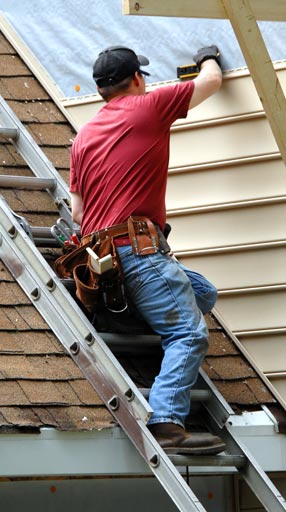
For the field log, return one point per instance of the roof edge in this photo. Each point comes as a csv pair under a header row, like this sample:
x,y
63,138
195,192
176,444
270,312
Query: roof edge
x,y
249,358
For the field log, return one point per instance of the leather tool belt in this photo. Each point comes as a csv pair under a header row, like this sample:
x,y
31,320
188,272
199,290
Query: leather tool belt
x,y
92,288
142,234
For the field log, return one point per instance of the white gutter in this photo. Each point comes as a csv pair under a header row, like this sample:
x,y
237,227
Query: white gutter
x,y
109,451
258,432
55,453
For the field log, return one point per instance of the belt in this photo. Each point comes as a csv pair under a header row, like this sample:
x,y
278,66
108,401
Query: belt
x,y
111,232
140,231
121,241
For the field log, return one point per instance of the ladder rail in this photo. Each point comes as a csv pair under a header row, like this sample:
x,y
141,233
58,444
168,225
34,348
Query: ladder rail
x,y
217,406
90,353
251,471
257,479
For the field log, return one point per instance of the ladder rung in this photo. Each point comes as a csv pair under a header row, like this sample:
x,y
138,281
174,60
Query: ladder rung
x,y
28,182
69,284
43,237
129,340
48,243
41,232
222,460
45,232
197,395
9,133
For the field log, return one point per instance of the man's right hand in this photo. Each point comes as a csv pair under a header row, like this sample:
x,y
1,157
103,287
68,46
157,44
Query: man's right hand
x,y
206,53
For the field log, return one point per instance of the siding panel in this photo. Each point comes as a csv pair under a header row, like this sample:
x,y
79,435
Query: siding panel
x,y
215,185
226,227
269,351
253,311
224,152
241,269
221,142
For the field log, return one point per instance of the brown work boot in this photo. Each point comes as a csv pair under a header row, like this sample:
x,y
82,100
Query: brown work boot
x,y
175,440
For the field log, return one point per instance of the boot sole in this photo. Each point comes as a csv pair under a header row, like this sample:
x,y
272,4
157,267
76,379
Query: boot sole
x,y
199,450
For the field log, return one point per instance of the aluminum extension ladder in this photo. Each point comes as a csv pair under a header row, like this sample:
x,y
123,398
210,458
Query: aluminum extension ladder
x,y
91,353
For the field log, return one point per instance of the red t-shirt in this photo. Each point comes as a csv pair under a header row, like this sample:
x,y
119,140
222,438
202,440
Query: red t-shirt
x,y
119,159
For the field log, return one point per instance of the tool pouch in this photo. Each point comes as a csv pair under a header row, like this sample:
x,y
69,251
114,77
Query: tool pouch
x,y
143,236
93,288
113,293
65,264
87,286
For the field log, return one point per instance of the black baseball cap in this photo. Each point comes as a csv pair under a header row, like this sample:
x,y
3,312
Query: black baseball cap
x,y
116,63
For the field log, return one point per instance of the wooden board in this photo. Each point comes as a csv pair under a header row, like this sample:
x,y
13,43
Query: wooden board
x,y
274,10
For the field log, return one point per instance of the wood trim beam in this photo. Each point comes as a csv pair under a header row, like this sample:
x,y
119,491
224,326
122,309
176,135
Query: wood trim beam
x,y
274,10
260,66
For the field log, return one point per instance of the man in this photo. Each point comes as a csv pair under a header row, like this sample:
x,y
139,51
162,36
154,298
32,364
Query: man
x,y
119,164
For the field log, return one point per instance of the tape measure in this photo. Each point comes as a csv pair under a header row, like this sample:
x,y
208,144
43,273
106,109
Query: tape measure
x,y
188,71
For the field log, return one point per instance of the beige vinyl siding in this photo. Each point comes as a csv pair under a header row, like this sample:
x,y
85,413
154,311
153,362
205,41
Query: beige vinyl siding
x,y
269,351
221,142
226,203
250,310
219,184
239,268
220,227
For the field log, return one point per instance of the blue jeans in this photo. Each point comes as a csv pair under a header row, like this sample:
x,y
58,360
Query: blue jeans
x,y
172,300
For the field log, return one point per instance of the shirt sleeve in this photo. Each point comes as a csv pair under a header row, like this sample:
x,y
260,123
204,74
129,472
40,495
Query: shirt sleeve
x,y
172,101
